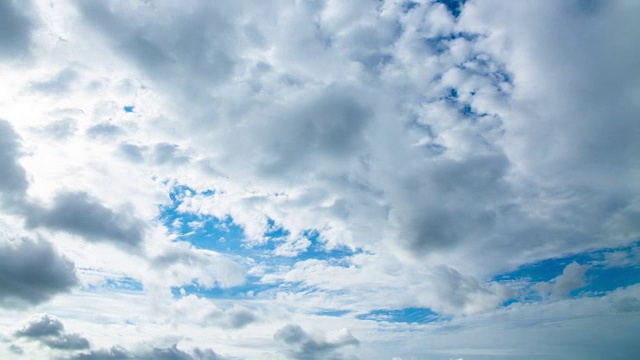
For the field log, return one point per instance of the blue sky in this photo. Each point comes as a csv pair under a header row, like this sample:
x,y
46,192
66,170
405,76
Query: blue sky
x,y
319,180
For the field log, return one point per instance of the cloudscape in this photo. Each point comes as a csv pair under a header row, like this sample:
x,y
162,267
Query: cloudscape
x,y
320,179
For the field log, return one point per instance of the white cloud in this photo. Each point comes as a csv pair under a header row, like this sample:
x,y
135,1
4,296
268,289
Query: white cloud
x,y
439,151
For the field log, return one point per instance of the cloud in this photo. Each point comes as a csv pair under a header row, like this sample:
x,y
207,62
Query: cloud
x,y
183,264
16,28
627,305
238,318
59,129
204,311
50,331
302,345
572,278
104,130
168,353
31,271
13,183
58,84
81,214
429,146
74,212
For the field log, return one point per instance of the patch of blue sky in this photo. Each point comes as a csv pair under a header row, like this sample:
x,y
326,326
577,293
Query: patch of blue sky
x,y
318,250
602,275
440,44
406,315
122,284
224,235
203,231
454,6
333,313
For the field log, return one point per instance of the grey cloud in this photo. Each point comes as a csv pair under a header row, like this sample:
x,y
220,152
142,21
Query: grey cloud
x,y
185,52
16,28
132,152
158,154
77,212
572,278
58,84
208,268
627,304
16,349
167,353
331,124
81,214
13,182
301,345
455,201
465,201
59,129
50,331
463,293
238,318
31,272
104,130
67,342
114,353
164,153
44,325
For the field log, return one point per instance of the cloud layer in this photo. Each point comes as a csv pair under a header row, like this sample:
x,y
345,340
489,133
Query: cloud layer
x,y
319,179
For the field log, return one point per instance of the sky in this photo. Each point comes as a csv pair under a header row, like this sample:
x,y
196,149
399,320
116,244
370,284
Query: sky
x,y
320,179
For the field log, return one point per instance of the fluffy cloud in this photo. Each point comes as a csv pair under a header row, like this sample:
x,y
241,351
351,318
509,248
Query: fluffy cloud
x,y
342,159
13,183
81,214
32,271
169,353
572,278
74,212
16,29
182,264
302,345
50,331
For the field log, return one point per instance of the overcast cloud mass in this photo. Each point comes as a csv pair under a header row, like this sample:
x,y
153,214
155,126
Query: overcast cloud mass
x,y
320,179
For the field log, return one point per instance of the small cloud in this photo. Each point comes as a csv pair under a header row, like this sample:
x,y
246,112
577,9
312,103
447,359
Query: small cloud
x,y
50,331
31,272
171,352
572,278
58,84
81,214
104,130
302,345
627,305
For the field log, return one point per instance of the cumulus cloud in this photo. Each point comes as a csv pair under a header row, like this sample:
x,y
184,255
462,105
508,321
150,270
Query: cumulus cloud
x,y
32,271
16,28
50,331
167,353
431,146
81,214
74,212
183,264
302,345
13,183
204,311
60,83
572,278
